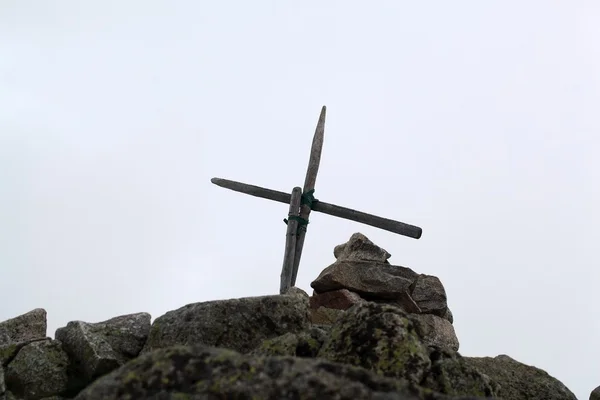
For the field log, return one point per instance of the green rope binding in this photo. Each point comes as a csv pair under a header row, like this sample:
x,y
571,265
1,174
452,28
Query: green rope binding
x,y
308,199
301,221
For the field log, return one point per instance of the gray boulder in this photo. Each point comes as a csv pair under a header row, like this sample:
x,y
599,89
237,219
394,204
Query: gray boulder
x,y
595,395
125,334
435,331
453,375
429,294
367,278
303,344
238,324
201,372
380,338
28,326
341,299
39,370
19,331
519,381
98,348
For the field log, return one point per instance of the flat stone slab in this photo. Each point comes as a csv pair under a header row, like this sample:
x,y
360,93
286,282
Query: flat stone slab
x,y
372,279
238,324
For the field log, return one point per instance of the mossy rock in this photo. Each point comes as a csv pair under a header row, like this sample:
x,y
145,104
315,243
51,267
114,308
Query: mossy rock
x,y
238,324
378,337
303,344
186,372
39,370
518,381
452,374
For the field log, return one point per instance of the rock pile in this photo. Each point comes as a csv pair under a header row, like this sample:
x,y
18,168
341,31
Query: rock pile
x,y
362,273
371,330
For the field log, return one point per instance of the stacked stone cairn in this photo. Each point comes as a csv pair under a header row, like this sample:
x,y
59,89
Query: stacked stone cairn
x,y
362,273
371,330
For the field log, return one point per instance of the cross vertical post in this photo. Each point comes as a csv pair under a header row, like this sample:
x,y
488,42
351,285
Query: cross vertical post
x,y
290,241
309,187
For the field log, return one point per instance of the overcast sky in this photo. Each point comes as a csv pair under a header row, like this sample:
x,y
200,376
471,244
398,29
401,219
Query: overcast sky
x,y
477,121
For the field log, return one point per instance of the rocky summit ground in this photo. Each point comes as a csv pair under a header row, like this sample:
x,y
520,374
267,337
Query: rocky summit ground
x,y
370,330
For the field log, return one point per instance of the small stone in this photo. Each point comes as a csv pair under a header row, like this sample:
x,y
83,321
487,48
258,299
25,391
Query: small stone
x,y
430,295
360,248
341,299
368,279
324,315
436,332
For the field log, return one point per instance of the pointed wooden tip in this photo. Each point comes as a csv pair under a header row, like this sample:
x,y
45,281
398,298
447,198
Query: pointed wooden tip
x,y
321,122
216,181
322,116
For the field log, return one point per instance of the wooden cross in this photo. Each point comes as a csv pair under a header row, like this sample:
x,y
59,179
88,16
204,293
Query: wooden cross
x,y
301,203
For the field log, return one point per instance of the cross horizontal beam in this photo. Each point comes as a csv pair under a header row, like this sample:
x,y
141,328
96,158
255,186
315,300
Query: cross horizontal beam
x,y
325,208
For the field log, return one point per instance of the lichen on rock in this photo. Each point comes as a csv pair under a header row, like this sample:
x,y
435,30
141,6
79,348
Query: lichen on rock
x,y
380,338
39,370
519,381
452,374
239,324
20,331
181,372
303,344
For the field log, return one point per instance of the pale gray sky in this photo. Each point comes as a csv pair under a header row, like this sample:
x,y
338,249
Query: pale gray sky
x,y
475,120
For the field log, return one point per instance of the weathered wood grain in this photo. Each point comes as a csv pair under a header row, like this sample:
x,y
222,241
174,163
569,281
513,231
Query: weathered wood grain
x,y
386,224
309,184
290,242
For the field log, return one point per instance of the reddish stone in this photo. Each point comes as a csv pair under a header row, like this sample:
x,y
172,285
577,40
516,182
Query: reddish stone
x,y
341,299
